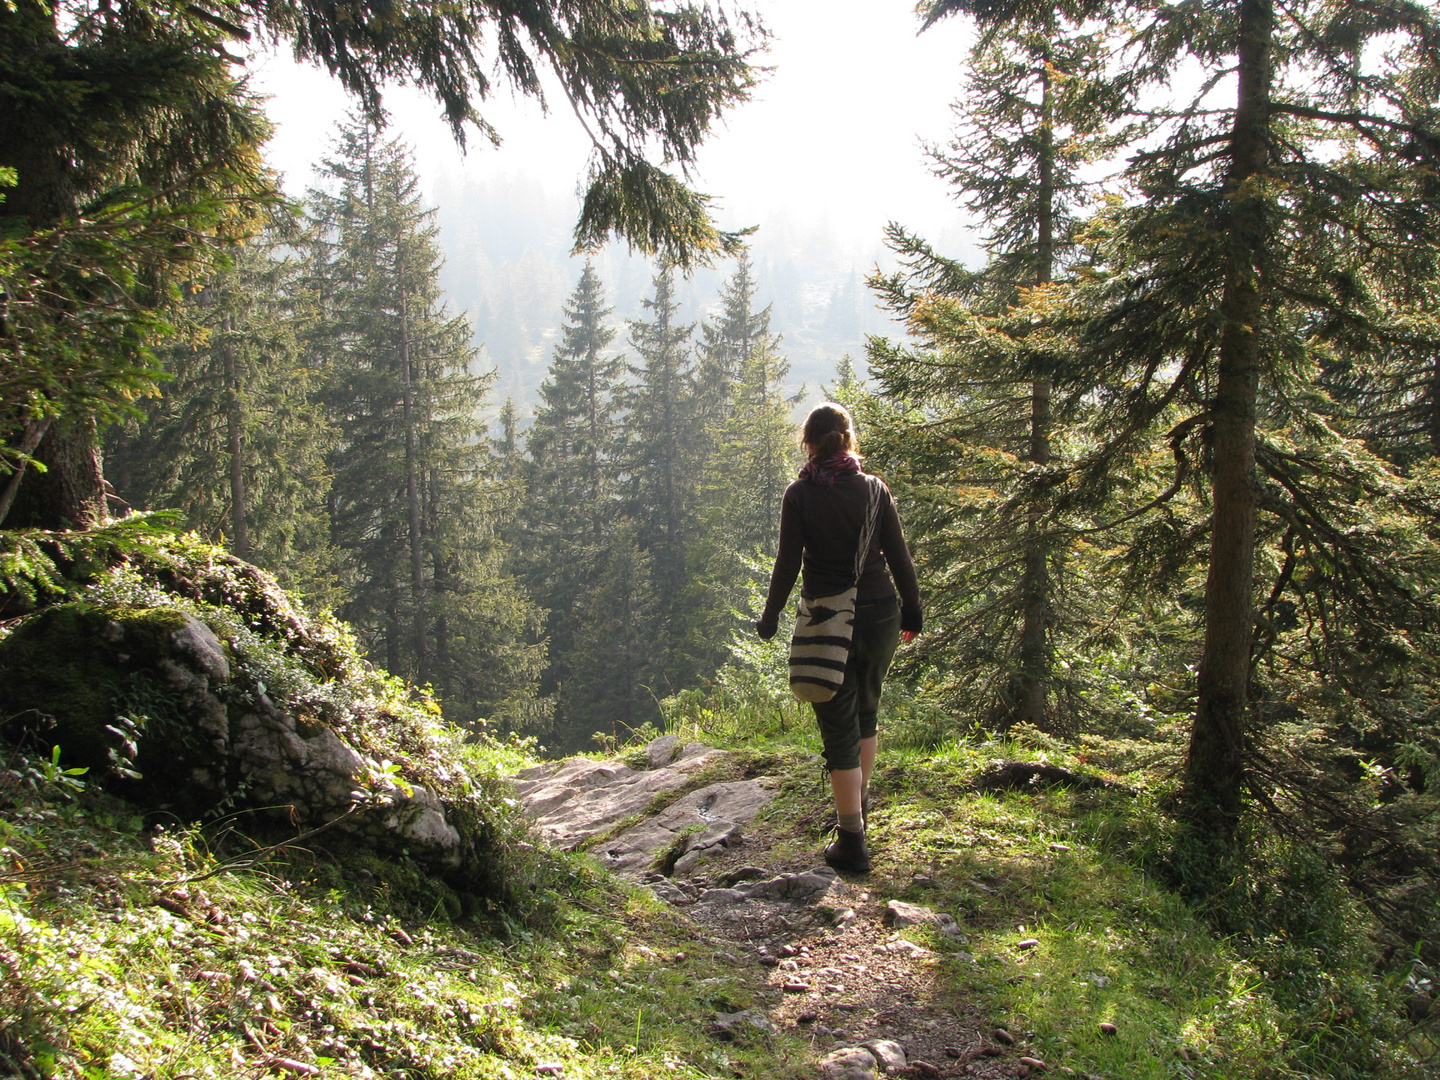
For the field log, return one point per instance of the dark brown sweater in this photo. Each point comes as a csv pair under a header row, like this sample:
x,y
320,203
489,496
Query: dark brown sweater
x,y
819,527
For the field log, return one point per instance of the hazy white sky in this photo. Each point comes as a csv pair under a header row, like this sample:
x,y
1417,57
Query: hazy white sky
x,y
833,135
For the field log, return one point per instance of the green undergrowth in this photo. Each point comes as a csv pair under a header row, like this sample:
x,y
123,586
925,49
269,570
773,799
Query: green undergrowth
x,y
117,962
143,948
116,965
1070,904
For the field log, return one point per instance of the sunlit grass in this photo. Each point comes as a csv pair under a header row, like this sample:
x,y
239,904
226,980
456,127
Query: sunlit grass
x,y
1276,982
115,972
1111,944
369,969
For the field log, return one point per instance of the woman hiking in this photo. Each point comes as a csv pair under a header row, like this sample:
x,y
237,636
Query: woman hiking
x,y
822,519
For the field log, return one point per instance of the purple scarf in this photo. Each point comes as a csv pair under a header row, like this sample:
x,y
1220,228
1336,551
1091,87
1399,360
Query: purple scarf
x,y
825,470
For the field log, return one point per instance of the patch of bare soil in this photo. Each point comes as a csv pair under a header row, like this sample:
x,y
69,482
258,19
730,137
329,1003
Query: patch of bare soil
x,y
832,968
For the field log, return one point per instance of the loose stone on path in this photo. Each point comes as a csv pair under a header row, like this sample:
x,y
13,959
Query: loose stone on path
x,y
852,1063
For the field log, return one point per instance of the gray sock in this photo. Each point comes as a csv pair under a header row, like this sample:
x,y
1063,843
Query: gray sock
x,y
853,822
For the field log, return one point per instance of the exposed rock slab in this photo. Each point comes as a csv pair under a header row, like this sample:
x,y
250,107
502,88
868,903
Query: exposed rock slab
x,y
576,798
573,800
695,825
730,1026
808,887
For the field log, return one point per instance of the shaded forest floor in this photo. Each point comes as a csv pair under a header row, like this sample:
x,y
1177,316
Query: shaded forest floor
x,y
325,965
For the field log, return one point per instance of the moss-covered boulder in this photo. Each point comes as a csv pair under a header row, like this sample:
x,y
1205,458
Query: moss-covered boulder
x,y
145,699
129,693
189,682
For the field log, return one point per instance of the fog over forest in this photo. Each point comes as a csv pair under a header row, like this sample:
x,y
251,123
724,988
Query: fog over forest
x,y
790,162
508,266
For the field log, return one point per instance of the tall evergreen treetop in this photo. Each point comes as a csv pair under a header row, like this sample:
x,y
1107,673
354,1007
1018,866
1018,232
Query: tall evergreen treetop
x,y
664,454
565,530
572,443
1039,104
727,342
663,429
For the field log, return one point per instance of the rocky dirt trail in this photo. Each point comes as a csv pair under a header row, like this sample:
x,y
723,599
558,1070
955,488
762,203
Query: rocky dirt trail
x,y
830,954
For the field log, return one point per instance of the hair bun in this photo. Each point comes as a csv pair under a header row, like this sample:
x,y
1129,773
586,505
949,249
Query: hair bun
x,y
828,430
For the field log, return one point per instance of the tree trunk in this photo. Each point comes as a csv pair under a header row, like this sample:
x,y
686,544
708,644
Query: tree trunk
x,y
1030,691
1214,772
239,533
71,493
392,635
592,412
45,192
1433,415
412,492
29,440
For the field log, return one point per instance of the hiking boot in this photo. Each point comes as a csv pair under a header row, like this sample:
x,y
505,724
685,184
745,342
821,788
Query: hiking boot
x,y
847,852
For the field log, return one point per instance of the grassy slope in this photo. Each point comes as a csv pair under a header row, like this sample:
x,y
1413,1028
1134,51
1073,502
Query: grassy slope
x,y
110,970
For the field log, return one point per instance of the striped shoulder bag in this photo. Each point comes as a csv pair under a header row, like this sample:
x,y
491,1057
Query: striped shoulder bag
x,y
820,646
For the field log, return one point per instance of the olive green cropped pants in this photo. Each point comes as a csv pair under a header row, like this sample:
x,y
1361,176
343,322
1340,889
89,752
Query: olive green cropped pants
x,y
850,715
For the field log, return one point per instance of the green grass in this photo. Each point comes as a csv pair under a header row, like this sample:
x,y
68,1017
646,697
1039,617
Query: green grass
x,y
1115,945
357,970
1282,976
109,971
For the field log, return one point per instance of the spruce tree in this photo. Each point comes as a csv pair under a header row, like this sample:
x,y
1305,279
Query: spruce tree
x,y
573,441
663,456
974,399
571,487
410,508
1276,232
750,441
122,128
750,457
756,453
727,342
236,441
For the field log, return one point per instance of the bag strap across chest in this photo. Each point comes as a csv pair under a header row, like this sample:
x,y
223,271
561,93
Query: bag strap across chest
x,y
867,531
